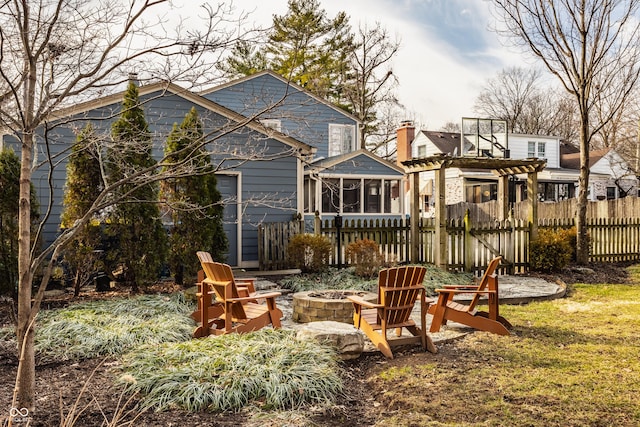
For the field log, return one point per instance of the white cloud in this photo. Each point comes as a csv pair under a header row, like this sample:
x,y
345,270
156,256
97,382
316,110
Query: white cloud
x,y
447,51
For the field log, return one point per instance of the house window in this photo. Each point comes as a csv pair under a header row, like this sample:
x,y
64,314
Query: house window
x,y
531,151
537,150
331,195
422,151
611,193
272,123
481,192
341,139
392,198
371,196
309,195
351,195
542,153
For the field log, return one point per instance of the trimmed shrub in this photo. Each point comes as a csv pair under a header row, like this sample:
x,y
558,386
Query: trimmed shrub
x,y
365,256
551,251
309,252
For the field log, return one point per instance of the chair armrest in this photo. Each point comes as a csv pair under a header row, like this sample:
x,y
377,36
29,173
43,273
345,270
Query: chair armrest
x,y
460,287
255,296
361,301
463,291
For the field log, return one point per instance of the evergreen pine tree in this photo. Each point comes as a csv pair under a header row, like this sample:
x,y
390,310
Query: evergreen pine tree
x,y
304,46
193,202
84,183
138,238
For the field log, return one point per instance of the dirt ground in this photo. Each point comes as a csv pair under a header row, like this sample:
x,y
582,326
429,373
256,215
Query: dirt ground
x,y
59,385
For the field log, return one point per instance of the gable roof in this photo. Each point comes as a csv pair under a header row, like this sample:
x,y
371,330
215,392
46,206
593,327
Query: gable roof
x,y
572,160
283,80
330,162
446,142
163,87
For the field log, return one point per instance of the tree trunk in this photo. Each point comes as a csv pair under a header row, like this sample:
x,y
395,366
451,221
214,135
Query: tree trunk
x,y
25,381
582,239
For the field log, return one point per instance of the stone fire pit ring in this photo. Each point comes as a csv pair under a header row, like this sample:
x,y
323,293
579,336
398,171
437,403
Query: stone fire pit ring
x,y
327,304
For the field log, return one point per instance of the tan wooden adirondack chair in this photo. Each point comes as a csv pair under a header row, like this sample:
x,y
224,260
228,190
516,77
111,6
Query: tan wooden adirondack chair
x,y
445,308
234,309
398,290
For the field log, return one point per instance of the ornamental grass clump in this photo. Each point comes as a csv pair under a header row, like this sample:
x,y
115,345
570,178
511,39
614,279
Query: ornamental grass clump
x,y
330,278
111,327
269,368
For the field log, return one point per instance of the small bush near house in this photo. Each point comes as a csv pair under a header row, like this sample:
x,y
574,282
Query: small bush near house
x,y
309,252
551,250
365,256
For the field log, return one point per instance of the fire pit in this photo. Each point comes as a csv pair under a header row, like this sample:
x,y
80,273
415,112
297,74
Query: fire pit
x,y
317,306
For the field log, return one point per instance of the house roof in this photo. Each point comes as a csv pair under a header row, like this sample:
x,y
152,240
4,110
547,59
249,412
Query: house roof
x,y
283,80
446,142
572,160
164,87
322,164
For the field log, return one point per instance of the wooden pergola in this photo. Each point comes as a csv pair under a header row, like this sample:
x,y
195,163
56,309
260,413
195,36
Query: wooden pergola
x,y
503,168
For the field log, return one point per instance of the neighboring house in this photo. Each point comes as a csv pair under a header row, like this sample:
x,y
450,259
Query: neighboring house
x,y
610,177
291,154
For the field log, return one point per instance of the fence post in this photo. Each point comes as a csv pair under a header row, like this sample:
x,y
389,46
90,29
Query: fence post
x,y
317,224
468,252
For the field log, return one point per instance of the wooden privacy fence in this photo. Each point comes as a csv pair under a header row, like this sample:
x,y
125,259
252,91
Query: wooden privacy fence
x,y
470,245
610,239
628,207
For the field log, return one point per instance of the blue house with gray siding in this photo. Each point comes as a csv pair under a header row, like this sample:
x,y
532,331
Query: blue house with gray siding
x,y
290,153
265,189
341,178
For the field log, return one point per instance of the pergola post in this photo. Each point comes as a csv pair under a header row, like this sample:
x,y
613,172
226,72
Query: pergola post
x,y
441,219
415,218
503,197
532,197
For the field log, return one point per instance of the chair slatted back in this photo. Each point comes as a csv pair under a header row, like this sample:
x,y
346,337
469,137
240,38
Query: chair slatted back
x,y
221,281
489,280
398,289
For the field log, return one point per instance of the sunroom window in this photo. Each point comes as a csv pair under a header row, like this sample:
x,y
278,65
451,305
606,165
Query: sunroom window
x,y
360,196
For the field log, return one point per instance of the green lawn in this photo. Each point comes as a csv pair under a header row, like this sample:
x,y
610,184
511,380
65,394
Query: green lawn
x,y
569,362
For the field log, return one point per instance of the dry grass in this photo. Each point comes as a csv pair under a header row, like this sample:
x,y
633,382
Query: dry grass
x,y
569,362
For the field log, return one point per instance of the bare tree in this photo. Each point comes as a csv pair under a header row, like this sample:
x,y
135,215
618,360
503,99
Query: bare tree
x,y
370,82
55,53
507,95
593,48
517,95
452,127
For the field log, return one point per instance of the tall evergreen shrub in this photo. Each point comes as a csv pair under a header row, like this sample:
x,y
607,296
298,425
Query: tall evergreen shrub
x,y
138,241
84,183
193,203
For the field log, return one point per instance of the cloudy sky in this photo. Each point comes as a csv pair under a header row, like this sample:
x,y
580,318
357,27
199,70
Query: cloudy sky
x,y
447,51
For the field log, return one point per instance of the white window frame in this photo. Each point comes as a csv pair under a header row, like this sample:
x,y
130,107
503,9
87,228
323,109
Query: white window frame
x,y
537,150
338,143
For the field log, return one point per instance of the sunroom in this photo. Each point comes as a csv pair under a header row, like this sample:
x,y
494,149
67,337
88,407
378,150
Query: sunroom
x,y
356,185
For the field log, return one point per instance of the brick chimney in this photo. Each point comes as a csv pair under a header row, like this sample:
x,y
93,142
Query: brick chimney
x,y
404,137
